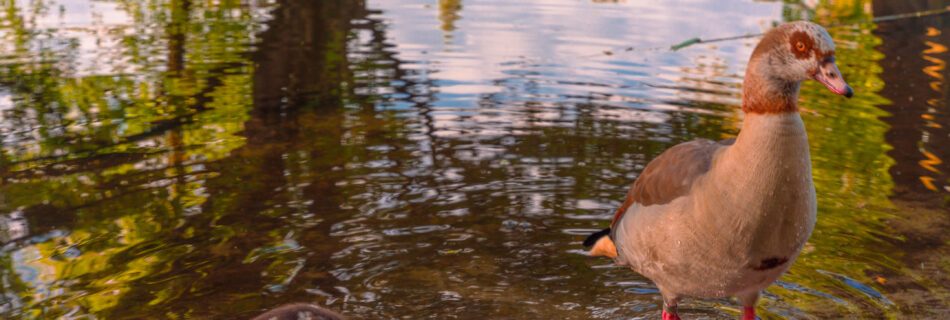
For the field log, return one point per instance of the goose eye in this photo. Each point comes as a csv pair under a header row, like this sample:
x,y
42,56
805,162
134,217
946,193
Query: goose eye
x,y
800,46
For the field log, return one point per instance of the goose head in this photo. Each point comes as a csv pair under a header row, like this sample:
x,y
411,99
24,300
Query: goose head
x,y
787,55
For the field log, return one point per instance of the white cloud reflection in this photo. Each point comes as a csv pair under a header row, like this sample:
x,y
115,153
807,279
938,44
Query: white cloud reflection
x,y
549,52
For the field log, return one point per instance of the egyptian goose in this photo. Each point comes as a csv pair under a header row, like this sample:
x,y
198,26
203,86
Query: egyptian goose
x,y
299,311
713,219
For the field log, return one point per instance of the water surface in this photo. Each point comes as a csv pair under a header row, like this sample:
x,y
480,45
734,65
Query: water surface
x,y
435,159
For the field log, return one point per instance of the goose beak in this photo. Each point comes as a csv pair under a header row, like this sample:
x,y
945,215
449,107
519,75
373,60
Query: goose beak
x,y
828,74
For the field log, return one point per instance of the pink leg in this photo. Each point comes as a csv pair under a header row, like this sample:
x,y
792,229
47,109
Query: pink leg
x,y
668,316
748,313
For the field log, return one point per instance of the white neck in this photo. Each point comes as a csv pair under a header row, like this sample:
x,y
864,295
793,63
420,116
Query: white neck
x,y
769,140
768,166
763,183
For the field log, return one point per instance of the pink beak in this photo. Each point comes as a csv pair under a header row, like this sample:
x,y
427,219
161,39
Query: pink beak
x,y
829,76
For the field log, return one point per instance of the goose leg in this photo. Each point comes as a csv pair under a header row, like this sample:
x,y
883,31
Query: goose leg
x,y
748,313
669,312
748,300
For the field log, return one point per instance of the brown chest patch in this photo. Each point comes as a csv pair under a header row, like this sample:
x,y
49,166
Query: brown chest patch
x,y
770,263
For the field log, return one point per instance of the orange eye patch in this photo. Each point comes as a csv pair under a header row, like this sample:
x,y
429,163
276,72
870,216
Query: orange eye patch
x,y
800,46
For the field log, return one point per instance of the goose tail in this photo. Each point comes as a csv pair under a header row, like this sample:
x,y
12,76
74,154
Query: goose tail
x,y
603,246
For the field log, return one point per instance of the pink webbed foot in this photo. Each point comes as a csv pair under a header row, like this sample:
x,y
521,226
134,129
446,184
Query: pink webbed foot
x,y
748,313
670,316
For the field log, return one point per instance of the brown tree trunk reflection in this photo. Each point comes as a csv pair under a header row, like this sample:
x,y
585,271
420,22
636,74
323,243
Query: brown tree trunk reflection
x,y
915,75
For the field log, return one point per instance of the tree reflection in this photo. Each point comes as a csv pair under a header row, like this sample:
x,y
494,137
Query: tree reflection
x,y
107,166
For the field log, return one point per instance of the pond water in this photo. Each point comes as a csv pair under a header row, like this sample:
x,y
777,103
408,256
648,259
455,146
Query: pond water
x,y
436,159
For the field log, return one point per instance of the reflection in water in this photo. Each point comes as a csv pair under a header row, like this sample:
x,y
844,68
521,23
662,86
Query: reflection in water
x,y
390,159
448,14
919,112
914,72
